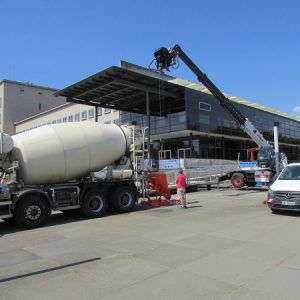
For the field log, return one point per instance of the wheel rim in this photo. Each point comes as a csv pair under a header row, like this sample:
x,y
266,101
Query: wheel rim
x,y
237,180
33,212
96,204
126,199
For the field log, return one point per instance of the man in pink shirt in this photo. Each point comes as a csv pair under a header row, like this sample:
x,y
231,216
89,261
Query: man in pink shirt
x,y
181,186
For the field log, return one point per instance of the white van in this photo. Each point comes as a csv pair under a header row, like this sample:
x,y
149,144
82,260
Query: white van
x,y
284,193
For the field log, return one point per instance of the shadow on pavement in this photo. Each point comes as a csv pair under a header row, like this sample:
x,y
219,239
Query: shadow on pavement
x,y
8,226
49,270
288,213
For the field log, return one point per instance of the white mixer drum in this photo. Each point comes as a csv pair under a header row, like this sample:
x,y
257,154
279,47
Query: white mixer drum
x,y
61,152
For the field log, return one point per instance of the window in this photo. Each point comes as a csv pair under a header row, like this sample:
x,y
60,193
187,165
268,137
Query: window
x,y
106,110
107,122
99,111
116,121
204,106
77,117
58,120
0,102
49,123
83,115
226,123
64,119
70,118
91,113
204,119
54,122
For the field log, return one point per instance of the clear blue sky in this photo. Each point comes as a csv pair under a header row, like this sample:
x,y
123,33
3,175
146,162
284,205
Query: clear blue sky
x,y
249,49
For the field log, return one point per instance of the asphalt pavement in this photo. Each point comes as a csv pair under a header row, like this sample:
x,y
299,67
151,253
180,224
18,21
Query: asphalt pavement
x,y
225,245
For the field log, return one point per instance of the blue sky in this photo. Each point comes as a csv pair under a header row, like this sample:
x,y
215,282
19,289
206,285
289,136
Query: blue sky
x,y
249,49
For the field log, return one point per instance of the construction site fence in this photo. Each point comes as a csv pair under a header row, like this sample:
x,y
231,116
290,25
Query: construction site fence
x,y
199,171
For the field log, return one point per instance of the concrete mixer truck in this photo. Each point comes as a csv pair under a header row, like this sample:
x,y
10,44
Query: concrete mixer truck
x,y
54,168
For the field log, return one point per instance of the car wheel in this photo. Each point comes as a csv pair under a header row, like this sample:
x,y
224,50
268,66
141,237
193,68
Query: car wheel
x,y
238,180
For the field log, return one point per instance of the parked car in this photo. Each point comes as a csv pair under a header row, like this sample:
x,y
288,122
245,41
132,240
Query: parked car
x,y
284,193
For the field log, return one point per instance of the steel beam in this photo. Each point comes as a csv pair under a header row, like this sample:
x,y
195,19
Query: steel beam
x,y
144,88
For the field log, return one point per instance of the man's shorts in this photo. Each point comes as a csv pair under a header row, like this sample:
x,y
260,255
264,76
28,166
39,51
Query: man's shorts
x,y
181,193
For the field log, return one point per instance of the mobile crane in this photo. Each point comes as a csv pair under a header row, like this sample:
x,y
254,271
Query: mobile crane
x,y
166,58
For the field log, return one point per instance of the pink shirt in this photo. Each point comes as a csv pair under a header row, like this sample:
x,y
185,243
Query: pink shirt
x,y
180,181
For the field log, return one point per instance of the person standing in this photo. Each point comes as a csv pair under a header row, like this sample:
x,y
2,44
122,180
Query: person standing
x,y
181,187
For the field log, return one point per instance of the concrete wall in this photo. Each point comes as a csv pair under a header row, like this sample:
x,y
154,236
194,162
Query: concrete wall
x,y
21,101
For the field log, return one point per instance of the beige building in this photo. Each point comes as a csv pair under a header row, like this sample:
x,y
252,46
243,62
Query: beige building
x,y
19,101
68,112
25,106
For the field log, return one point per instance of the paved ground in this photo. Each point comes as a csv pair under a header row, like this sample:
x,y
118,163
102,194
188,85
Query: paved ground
x,y
226,245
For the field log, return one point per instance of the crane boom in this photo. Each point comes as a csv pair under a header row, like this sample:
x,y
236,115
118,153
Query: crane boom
x,y
166,58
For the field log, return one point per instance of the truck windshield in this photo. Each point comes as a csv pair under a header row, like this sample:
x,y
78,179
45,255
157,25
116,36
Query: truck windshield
x,y
290,173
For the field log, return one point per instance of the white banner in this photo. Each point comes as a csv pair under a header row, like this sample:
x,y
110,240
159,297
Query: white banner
x,y
169,164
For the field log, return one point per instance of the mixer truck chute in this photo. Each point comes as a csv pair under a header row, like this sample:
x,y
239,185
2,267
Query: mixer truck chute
x,y
54,167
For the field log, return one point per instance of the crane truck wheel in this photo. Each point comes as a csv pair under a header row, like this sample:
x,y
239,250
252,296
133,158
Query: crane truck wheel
x,y
238,180
94,204
123,199
31,211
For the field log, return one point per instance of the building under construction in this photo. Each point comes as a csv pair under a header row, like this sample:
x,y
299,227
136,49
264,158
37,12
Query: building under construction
x,y
186,121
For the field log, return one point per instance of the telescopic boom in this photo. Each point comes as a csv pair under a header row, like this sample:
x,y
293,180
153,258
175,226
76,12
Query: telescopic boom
x,y
165,58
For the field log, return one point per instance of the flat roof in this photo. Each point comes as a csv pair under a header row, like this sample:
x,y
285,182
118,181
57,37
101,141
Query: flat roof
x,y
28,84
125,90
203,89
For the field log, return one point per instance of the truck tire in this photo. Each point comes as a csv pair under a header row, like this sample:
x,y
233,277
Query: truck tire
x,y
94,204
238,180
123,199
31,211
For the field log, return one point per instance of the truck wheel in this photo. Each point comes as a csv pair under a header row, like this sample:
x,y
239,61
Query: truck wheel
x,y
31,211
94,204
123,199
238,180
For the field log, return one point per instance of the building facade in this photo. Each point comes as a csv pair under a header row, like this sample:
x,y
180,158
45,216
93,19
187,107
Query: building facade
x,y
206,130
19,101
68,112
203,129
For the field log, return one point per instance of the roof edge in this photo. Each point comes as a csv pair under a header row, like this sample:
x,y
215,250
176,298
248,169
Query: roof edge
x,y
44,112
28,84
203,89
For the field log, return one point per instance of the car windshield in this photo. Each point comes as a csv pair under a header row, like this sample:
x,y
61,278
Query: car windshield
x,y
290,173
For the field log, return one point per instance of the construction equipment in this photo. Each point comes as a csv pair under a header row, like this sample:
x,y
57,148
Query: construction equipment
x,y
166,58
158,192
53,167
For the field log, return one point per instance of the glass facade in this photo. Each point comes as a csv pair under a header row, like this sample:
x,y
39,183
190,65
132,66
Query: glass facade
x,y
215,134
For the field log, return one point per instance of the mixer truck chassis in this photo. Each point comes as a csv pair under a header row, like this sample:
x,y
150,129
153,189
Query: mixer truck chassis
x,y
55,168
31,206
